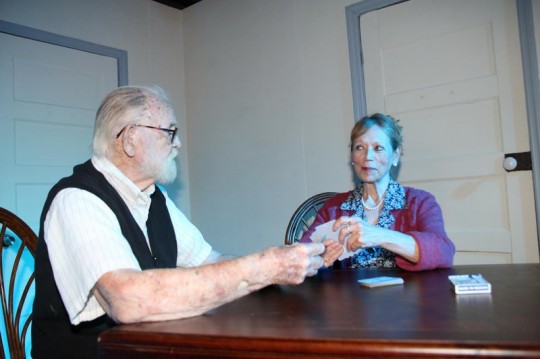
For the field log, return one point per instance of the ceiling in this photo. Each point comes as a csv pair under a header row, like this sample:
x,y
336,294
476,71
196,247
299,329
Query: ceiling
x,y
178,4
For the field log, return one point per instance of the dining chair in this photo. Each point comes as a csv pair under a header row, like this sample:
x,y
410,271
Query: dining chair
x,y
19,244
304,216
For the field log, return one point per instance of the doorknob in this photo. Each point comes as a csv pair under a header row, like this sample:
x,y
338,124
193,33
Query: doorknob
x,y
520,161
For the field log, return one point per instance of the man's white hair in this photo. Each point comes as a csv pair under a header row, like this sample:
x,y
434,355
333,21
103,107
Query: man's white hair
x,y
124,106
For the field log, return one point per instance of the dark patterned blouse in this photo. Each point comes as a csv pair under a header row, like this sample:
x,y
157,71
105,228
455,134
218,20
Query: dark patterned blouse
x,y
393,199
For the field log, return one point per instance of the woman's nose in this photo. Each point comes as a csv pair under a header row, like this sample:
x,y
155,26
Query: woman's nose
x,y
369,153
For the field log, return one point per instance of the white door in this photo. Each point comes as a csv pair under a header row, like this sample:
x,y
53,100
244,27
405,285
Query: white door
x,y
48,95
451,72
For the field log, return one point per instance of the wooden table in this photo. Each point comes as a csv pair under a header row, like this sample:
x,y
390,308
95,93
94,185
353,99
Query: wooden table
x,y
331,316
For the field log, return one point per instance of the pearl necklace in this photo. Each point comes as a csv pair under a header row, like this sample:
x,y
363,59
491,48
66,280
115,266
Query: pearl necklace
x,y
372,208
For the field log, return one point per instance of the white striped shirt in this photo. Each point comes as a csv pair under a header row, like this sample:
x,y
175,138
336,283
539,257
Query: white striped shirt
x,y
85,241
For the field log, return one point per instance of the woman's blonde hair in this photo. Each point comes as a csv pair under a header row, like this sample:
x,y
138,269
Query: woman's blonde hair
x,y
387,123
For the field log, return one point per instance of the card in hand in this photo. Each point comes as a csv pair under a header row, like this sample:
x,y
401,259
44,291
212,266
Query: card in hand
x,y
324,231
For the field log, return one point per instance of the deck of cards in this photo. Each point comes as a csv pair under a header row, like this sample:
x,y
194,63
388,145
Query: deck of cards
x,y
380,281
469,284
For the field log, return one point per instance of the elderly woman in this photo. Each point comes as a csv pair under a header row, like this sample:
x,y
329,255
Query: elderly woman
x,y
384,223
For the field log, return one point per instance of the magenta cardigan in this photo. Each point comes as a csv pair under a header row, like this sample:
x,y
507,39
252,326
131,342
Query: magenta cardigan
x,y
422,219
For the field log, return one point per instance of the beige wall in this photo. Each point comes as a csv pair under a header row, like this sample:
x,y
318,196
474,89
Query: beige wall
x,y
266,116
269,110
151,34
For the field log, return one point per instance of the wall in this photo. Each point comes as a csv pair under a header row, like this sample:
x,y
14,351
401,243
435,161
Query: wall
x,y
150,32
269,111
269,103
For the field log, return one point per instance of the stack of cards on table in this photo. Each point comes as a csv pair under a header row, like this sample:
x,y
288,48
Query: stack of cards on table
x,y
324,232
380,281
469,284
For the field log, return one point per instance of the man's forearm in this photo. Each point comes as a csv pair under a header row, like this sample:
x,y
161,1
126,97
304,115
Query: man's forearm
x,y
164,294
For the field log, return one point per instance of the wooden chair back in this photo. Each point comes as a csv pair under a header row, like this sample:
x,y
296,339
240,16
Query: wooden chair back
x,y
304,216
19,244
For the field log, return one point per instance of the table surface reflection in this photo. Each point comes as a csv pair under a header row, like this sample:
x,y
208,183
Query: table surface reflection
x,y
331,316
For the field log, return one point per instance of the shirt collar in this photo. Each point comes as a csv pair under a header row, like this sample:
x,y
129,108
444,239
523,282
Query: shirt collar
x,y
125,187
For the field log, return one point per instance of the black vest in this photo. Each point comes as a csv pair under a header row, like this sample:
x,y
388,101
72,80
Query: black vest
x,y
53,336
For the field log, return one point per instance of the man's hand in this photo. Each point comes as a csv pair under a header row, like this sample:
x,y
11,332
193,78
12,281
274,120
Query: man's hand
x,y
292,264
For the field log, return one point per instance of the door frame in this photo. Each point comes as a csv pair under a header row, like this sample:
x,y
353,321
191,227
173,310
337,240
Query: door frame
x,y
529,63
72,43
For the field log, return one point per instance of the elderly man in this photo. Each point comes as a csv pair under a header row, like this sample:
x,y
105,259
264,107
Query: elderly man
x,y
113,247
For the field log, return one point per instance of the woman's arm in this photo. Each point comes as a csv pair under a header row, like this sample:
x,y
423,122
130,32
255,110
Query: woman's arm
x,y
424,222
361,234
419,238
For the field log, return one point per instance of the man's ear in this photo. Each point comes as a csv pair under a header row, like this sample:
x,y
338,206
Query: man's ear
x,y
129,140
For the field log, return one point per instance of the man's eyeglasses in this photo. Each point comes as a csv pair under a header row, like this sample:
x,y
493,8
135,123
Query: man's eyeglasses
x,y
171,132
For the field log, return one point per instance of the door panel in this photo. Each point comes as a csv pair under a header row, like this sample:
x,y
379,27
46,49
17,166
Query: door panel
x,y
49,95
451,72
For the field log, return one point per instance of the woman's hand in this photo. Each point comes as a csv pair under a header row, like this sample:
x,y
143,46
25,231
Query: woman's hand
x,y
333,250
360,234
357,233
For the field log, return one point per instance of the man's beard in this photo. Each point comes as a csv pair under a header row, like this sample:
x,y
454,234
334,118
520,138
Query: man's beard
x,y
164,172
168,171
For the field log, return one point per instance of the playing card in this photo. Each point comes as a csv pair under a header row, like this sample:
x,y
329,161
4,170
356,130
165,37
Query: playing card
x,y
324,231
